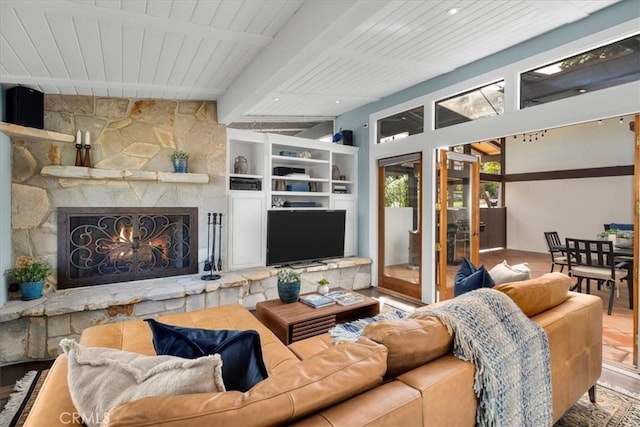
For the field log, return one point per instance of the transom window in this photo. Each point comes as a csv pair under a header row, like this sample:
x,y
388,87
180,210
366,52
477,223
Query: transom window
x,y
485,101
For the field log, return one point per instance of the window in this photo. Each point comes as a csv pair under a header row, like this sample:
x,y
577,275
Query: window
x,y
401,125
600,68
486,101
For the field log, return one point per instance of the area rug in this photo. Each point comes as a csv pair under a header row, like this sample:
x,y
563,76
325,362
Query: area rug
x,y
612,409
21,400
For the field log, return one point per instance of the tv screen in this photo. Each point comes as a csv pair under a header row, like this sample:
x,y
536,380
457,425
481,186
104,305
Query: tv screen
x,y
304,235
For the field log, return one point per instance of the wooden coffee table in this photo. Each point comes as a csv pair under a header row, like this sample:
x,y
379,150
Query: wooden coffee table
x,y
297,321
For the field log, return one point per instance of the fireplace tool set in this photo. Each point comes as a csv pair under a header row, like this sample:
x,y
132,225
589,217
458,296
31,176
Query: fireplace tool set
x,y
211,264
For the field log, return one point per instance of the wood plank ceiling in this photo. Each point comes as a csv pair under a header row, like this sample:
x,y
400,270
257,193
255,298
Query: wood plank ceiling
x,y
260,57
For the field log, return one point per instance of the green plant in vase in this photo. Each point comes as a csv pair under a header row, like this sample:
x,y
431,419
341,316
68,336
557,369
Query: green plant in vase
x,y
30,274
180,161
288,285
323,286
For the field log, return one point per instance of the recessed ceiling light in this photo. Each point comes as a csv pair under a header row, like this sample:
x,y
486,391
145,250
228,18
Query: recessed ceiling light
x,y
337,101
452,11
582,90
276,99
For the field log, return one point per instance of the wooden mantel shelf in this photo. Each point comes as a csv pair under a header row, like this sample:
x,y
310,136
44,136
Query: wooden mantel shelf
x,y
77,172
17,131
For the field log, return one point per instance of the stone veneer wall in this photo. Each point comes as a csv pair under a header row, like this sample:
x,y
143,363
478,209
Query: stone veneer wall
x,y
126,134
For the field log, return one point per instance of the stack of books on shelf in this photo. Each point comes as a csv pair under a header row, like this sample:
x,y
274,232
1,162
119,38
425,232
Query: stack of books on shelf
x,y
339,188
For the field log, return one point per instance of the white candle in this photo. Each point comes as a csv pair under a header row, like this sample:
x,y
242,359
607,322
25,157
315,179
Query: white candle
x,y
79,138
87,138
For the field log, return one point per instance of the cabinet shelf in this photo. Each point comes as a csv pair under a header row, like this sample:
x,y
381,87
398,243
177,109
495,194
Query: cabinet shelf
x,y
298,160
290,178
244,175
17,131
317,208
299,193
337,181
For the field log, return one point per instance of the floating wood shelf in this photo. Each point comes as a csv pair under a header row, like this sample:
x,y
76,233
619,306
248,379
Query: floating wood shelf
x,y
17,131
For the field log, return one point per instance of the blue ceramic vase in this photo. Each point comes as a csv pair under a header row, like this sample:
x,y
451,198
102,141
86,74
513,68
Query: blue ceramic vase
x,y
31,290
288,291
180,165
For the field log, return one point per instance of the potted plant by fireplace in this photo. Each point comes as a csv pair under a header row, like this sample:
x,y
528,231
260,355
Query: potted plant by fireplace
x,y
288,285
30,274
180,161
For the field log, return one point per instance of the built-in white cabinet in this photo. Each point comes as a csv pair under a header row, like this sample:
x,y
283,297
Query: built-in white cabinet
x,y
246,238
287,173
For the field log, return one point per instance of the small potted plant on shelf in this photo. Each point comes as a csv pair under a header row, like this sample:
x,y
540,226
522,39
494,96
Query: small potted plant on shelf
x,y
180,161
30,274
288,285
323,286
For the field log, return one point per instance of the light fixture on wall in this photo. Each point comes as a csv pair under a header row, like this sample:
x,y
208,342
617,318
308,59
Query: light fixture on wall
x,y
621,121
531,136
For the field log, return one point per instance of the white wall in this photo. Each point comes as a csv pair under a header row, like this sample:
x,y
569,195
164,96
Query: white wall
x,y
5,205
397,223
572,207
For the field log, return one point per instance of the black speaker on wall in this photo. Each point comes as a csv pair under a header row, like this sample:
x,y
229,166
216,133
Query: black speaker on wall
x,y
25,107
347,137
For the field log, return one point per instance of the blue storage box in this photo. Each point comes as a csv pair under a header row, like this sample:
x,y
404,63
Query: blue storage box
x,y
289,153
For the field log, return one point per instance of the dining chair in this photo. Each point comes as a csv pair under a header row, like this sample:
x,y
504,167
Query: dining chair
x,y
556,249
593,259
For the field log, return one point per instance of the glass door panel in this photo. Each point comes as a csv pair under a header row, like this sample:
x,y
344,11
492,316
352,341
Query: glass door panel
x,y
399,224
457,216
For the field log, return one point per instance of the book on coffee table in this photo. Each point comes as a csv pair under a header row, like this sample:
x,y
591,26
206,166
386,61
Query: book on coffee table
x,y
316,300
344,297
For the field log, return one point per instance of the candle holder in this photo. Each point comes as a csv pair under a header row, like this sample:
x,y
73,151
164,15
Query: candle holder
x,y
78,154
87,156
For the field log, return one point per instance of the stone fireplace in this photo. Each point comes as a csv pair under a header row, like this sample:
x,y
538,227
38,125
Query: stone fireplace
x,y
107,245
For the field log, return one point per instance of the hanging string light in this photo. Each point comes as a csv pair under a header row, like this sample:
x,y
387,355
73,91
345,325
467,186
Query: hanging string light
x,y
531,136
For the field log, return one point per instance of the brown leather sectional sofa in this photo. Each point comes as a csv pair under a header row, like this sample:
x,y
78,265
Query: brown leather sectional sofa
x,y
399,373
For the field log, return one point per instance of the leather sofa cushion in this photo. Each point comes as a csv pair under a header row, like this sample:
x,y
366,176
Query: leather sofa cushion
x,y
411,342
537,295
324,379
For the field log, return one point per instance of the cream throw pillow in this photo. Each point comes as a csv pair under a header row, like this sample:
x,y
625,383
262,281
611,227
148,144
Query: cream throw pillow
x,y
102,378
505,273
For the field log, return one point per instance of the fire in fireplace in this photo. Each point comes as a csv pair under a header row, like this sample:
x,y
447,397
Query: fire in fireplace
x,y
108,245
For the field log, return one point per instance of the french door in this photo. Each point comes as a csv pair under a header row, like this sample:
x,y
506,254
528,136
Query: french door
x,y
400,224
457,216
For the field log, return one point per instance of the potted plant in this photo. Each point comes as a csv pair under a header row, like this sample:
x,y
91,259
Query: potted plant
x,y
30,274
610,234
323,286
180,161
288,285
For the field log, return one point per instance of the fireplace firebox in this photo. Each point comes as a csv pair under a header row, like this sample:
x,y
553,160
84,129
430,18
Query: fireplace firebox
x,y
107,245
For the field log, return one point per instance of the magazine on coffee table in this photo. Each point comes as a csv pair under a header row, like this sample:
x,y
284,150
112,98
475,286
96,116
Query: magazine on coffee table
x,y
345,297
316,300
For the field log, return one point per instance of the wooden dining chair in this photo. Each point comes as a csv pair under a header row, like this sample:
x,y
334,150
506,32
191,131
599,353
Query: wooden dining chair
x,y
593,259
556,249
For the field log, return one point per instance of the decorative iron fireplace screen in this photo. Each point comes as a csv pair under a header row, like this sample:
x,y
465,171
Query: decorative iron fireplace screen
x,y
108,245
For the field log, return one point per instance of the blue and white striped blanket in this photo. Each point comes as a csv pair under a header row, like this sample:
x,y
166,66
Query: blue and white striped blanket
x,y
511,355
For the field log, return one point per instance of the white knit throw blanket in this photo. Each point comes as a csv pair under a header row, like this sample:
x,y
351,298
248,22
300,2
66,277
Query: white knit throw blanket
x,y
511,355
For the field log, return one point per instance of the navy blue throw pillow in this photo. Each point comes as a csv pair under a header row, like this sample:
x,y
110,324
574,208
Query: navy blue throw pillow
x,y
241,353
469,278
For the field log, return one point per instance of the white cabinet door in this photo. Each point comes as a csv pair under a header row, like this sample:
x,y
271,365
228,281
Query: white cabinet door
x,y
348,203
246,230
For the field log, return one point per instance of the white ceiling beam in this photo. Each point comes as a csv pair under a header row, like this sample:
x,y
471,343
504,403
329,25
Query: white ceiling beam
x,y
119,16
560,9
207,93
316,26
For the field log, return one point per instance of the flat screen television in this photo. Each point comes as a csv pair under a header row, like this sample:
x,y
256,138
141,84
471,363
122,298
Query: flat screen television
x,y
295,236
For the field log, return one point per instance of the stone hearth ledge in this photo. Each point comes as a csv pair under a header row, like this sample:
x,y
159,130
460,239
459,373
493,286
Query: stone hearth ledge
x,y
92,298
79,172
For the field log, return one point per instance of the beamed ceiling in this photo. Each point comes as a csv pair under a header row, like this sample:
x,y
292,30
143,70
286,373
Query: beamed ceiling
x,y
260,57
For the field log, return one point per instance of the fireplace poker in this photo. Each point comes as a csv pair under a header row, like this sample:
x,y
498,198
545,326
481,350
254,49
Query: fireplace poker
x,y
213,246
207,262
220,243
